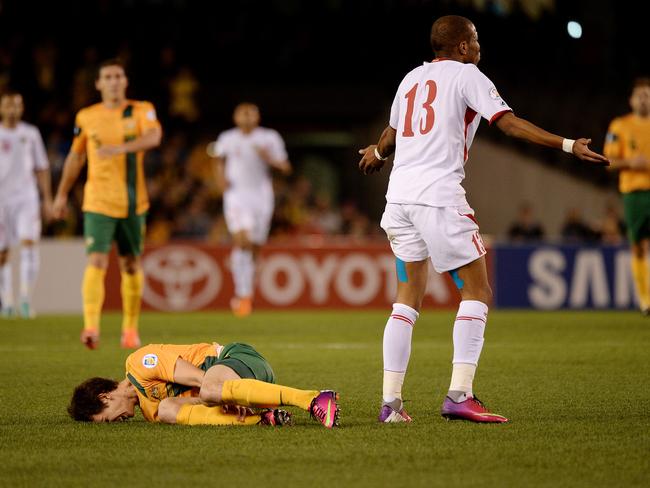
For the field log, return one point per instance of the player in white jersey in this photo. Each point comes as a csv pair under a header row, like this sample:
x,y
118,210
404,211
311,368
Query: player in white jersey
x,y
435,114
245,156
23,165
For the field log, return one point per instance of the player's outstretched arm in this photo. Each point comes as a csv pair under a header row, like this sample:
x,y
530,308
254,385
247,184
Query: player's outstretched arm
x,y
374,156
514,126
71,169
44,180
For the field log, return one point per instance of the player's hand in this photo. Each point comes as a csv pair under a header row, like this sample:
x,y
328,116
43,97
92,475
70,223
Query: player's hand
x,y
639,162
581,150
284,167
60,207
110,151
263,153
242,412
48,211
369,163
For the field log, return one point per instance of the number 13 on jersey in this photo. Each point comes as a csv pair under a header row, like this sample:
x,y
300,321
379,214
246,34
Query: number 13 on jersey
x,y
428,117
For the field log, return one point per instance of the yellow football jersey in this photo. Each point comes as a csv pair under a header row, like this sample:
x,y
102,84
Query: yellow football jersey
x,y
150,370
627,137
115,185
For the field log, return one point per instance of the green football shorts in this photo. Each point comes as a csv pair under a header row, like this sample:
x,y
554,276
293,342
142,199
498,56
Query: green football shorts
x,y
101,230
243,360
636,208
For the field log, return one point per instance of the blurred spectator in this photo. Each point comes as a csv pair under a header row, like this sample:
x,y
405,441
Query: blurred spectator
x,y
612,227
182,96
576,230
526,228
324,218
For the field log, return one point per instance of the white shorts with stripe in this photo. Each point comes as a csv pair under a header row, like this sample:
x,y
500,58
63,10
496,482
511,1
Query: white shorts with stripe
x,y
448,235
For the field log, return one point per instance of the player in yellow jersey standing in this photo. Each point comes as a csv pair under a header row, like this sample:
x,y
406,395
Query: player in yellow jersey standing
x,y
113,136
627,146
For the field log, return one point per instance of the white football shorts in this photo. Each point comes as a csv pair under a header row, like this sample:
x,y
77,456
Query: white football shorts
x,y
19,221
252,216
448,235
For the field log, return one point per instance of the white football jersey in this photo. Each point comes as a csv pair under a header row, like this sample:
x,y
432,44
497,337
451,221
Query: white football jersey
x,y
21,153
246,172
435,116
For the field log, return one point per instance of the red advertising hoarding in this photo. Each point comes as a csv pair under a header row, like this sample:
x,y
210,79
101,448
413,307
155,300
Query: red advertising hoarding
x,y
190,276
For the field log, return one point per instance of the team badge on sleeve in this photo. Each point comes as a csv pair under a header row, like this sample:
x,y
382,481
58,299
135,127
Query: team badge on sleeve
x,y
611,137
76,131
151,114
494,94
150,361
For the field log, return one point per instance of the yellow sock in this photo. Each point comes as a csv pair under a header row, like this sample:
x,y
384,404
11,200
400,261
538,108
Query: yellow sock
x,y
203,415
255,393
131,288
92,292
641,276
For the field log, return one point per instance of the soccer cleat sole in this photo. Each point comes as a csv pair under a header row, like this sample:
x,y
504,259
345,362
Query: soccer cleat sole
x,y
499,419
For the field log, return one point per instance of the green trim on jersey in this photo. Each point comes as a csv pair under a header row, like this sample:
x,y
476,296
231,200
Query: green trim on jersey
x,y
131,172
135,383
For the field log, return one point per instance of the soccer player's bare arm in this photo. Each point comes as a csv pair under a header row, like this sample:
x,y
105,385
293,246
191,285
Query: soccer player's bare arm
x,y
219,170
74,162
185,373
385,147
44,181
514,126
148,140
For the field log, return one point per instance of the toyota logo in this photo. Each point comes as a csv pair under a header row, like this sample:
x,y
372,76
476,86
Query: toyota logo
x,y
180,278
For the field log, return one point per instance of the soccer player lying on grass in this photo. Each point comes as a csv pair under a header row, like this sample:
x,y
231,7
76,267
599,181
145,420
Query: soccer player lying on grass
x,y
198,384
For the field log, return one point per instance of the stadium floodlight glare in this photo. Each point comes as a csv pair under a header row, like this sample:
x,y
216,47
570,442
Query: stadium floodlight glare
x,y
574,29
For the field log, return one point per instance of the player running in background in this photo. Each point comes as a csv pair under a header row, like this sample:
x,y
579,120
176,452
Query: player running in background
x,y
627,145
432,124
113,135
185,385
24,169
244,156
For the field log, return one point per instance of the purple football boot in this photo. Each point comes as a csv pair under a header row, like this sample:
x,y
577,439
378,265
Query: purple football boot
x,y
471,409
325,409
393,412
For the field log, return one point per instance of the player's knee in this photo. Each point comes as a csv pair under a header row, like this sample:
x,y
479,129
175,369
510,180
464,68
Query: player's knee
x,y
129,264
98,260
167,412
210,393
481,293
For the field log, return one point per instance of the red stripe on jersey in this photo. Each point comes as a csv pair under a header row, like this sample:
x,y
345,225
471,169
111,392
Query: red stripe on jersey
x,y
498,115
402,318
469,317
469,118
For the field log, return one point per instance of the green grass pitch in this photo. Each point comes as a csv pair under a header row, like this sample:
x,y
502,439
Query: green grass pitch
x,y
574,384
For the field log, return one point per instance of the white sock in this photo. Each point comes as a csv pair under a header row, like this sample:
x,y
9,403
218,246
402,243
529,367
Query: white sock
x,y
468,343
397,349
29,265
243,271
6,286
